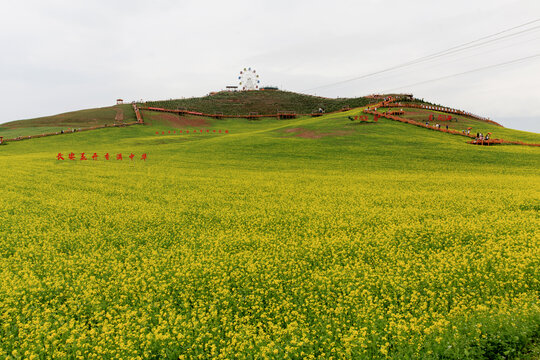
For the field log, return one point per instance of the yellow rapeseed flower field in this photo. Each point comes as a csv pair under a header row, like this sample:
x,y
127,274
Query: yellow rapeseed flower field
x,y
387,241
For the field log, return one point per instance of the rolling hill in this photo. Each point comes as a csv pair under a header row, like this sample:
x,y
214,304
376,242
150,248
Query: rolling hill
x,y
75,119
314,237
232,103
261,102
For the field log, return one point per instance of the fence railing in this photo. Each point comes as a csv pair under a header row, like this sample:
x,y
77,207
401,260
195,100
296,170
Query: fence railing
x,y
442,109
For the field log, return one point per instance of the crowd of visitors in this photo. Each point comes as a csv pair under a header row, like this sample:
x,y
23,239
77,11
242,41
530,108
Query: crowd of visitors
x,y
480,136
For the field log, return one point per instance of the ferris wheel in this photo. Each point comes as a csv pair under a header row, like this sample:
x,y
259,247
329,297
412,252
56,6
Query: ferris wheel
x,y
249,79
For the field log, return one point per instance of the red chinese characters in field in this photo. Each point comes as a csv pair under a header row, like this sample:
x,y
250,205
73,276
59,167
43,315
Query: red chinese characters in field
x,y
95,156
440,117
200,131
443,117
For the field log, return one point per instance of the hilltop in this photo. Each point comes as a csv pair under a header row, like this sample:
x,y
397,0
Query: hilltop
x,y
261,102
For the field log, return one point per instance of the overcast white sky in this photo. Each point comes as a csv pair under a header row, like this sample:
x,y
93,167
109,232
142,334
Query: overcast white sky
x,y
60,55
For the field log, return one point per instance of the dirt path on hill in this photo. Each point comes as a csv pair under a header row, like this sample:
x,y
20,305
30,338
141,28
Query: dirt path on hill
x,y
183,121
119,115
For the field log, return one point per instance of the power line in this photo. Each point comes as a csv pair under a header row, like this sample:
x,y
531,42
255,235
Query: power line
x,y
476,55
482,38
483,43
466,72
440,53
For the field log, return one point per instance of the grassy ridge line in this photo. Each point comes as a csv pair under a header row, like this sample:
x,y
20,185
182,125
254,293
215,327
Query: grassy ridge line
x,y
76,119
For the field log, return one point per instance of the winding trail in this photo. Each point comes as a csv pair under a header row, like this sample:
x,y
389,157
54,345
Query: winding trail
x,y
372,110
443,109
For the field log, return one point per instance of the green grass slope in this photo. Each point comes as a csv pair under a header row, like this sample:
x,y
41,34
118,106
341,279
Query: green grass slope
x,y
460,122
305,238
74,119
170,121
229,103
262,102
